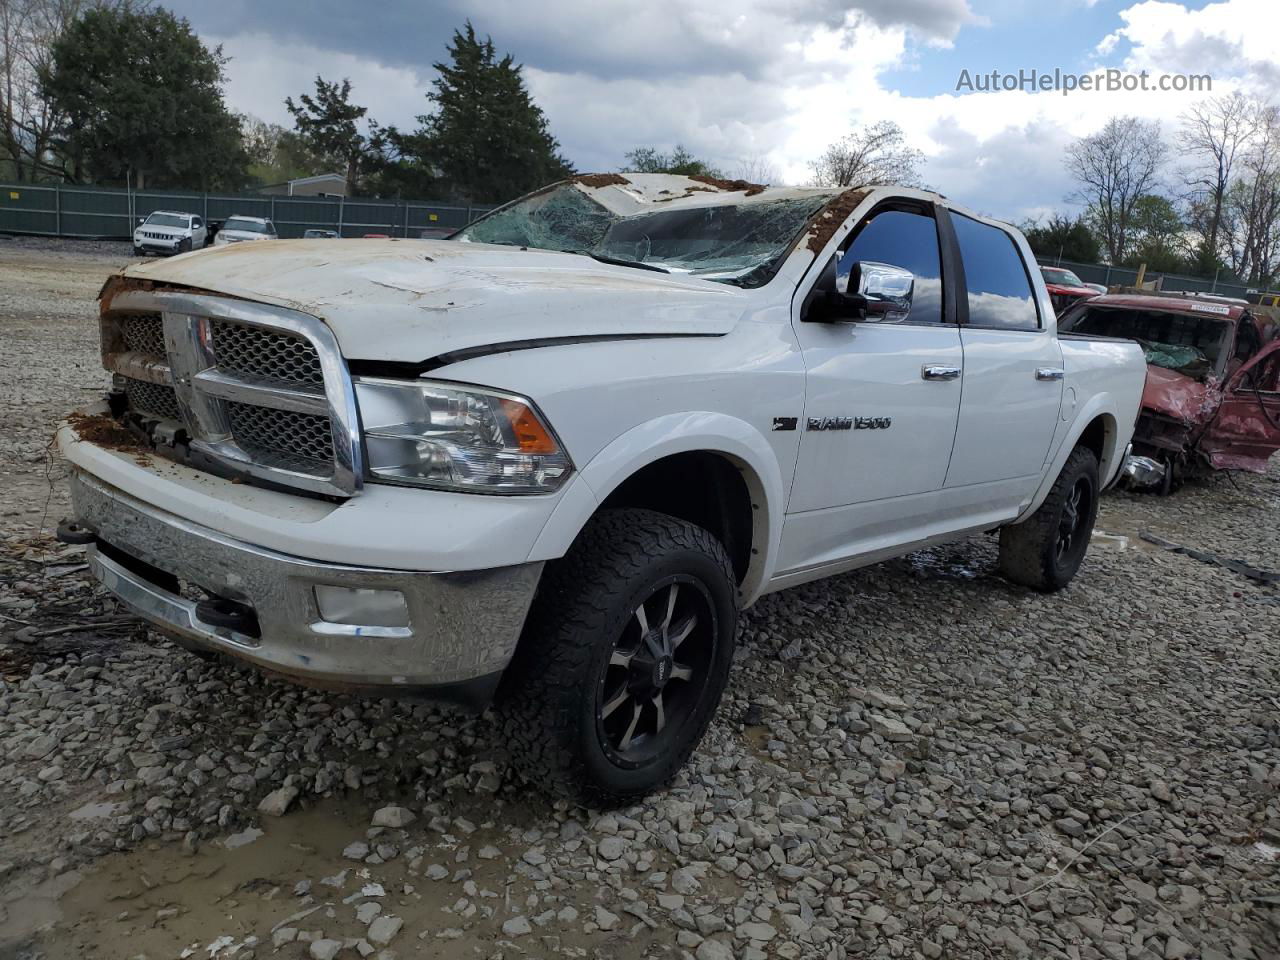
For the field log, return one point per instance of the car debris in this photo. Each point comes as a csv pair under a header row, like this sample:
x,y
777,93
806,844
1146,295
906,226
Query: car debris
x,y
1212,397
1266,577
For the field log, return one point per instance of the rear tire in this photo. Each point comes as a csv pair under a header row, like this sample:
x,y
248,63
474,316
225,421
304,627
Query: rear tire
x,y
1044,551
624,658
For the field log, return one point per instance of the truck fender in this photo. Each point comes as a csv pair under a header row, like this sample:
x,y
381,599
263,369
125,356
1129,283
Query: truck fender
x,y
691,432
1112,449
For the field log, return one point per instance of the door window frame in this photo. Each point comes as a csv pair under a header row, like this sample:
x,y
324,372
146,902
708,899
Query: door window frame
x,y
947,233
948,262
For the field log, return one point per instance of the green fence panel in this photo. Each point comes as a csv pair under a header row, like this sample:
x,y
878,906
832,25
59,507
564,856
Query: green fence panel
x,y
27,209
72,210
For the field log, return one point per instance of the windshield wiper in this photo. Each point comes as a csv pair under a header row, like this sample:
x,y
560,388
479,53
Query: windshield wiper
x,y
618,261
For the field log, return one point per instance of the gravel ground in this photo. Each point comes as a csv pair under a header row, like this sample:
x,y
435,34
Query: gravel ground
x,y
914,760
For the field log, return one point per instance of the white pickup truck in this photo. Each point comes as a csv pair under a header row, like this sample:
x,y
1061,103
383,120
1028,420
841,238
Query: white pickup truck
x,y
547,461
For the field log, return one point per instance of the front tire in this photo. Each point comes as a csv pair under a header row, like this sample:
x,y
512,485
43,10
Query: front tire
x,y
1044,551
624,658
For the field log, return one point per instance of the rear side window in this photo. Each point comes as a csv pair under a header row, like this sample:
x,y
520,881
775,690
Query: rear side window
x,y
903,239
1000,294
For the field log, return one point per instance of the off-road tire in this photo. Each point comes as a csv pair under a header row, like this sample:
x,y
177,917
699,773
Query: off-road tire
x,y
548,699
1029,553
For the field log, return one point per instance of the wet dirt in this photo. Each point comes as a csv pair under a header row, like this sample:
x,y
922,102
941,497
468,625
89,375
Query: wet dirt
x,y
165,900
731,186
594,180
828,220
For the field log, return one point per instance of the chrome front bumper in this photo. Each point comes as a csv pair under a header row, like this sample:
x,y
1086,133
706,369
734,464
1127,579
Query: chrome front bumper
x,y
462,626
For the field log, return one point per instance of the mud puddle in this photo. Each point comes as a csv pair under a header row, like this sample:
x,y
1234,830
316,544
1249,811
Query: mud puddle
x,y
275,888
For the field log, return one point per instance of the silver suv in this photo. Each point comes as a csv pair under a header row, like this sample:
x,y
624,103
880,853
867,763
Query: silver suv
x,y
169,231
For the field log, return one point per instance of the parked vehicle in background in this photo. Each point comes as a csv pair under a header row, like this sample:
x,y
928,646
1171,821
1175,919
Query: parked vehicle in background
x,y
1212,397
319,234
551,460
1065,288
169,231
377,236
241,229
1096,287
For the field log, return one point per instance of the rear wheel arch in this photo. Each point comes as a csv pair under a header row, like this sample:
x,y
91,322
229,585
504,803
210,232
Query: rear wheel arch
x,y
1100,437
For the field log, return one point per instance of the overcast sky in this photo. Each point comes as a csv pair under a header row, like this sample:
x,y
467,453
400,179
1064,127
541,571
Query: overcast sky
x,y
772,79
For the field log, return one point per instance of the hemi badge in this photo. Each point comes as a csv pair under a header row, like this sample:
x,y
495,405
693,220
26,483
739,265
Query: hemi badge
x,y
785,423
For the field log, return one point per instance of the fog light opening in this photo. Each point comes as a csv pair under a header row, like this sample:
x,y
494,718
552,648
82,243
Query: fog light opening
x,y
362,606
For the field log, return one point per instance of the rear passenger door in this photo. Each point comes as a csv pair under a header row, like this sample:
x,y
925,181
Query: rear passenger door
x,y
1013,370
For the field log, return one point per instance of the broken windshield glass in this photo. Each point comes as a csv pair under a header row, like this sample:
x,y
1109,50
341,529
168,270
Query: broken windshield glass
x,y
1192,345
733,243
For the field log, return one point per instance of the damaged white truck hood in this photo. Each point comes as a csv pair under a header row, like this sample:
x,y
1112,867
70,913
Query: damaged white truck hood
x,y
412,300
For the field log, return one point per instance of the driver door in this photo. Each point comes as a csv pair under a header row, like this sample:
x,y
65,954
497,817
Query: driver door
x,y
877,481
1245,431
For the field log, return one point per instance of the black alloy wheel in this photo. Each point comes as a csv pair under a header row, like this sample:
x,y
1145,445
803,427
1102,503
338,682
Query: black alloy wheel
x,y
657,671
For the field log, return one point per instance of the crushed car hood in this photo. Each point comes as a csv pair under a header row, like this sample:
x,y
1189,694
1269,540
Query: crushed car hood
x,y
1177,395
410,300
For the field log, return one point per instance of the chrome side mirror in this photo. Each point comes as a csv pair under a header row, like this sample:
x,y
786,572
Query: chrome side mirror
x,y
885,290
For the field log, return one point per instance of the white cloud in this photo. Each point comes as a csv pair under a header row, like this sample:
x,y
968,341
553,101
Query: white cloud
x,y
783,78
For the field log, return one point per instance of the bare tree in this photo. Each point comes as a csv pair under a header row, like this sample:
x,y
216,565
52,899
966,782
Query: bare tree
x,y
28,121
1115,167
873,155
757,168
1213,134
1251,207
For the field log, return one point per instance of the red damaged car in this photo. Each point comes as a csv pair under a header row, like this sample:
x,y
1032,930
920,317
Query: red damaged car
x,y
1066,289
1212,399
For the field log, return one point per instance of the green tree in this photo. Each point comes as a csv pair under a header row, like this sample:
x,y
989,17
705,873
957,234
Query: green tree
x,y
487,139
1063,237
679,161
141,97
277,154
329,123
1159,236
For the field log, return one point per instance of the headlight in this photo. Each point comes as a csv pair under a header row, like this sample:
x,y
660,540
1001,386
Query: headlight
x,y
458,438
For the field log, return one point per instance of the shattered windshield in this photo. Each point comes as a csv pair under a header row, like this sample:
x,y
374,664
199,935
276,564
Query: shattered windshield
x,y
1192,345
732,243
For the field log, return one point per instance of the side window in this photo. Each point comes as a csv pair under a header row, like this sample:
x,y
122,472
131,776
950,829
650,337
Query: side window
x,y
903,239
196,222
1000,292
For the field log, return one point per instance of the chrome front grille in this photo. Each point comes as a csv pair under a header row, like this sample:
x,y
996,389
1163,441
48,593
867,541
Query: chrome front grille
x,y
144,333
302,440
261,388
157,399
265,353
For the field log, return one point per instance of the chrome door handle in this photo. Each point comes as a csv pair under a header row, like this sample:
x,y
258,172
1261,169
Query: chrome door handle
x,y
1050,373
933,371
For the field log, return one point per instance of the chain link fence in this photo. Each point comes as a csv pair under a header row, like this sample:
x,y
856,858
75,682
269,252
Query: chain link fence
x,y
66,210
1127,277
